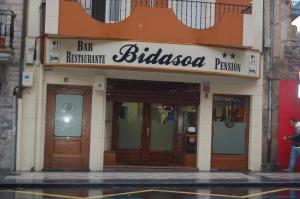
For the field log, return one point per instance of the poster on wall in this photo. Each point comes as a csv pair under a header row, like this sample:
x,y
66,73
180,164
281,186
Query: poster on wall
x,y
152,56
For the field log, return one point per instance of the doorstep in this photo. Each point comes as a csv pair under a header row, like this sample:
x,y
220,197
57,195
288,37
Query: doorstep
x,y
148,168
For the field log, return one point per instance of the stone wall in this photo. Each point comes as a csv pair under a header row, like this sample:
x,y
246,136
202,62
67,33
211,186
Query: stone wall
x,y
286,56
9,79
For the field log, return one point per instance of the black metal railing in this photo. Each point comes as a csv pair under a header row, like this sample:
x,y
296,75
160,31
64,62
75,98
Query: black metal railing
x,y
7,20
194,14
296,4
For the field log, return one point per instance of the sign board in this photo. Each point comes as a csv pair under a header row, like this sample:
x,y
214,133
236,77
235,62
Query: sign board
x,y
154,56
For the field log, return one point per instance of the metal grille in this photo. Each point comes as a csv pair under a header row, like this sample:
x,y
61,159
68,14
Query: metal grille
x,y
194,14
7,18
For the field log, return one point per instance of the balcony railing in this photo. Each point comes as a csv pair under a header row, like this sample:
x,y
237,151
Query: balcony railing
x,y
194,14
7,18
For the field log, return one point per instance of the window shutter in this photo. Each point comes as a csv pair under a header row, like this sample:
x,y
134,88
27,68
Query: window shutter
x,y
98,9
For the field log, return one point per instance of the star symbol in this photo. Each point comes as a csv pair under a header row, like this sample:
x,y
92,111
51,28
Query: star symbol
x,y
232,56
224,55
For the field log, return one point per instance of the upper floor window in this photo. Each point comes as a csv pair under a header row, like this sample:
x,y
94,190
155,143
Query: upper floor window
x,y
114,8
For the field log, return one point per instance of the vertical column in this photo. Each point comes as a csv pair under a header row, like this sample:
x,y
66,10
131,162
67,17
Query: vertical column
x,y
27,122
97,128
39,138
52,17
255,136
204,132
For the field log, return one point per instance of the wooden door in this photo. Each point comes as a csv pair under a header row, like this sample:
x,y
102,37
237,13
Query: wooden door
x,y
67,127
230,135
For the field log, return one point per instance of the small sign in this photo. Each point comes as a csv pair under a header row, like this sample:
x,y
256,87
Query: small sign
x,y
69,107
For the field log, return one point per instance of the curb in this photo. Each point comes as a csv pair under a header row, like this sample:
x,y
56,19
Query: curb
x,y
146,184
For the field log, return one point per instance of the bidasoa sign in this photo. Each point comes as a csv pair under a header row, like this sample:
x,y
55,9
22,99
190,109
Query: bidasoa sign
x,y
152,56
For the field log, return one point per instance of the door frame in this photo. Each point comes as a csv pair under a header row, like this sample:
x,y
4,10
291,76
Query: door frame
x,y
147,92
52,91
218,160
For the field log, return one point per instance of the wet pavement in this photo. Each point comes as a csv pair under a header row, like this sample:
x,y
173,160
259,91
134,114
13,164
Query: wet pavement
x,y
136,193
149,185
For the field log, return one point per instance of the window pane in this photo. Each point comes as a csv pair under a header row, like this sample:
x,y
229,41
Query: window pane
x,y
130,125
68,115
189,117
114,10
162,127
229,125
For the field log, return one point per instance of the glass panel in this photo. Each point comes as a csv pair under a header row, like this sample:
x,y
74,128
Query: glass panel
x,y
162,127
189,119
229,125
130,125
189,127
114,10
68,115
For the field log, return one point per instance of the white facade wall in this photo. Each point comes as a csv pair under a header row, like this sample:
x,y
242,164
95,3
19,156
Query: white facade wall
x,y
253,26
32,108
31,142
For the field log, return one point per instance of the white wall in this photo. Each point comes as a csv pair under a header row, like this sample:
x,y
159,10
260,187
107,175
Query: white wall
x,y
31,138
29,142
52,14
253,26
31,101
33,20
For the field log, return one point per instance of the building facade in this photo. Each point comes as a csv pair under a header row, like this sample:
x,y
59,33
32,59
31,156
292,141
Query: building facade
x,y
10,60
281,80
119,84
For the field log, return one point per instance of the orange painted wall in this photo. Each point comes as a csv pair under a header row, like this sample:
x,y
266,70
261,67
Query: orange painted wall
x,y
150,25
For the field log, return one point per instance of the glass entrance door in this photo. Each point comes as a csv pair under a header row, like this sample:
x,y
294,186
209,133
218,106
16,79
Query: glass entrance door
x,y
162,127
130,127
230,132
145,133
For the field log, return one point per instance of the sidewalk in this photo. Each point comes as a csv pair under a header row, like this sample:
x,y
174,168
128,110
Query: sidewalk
x,y
148,179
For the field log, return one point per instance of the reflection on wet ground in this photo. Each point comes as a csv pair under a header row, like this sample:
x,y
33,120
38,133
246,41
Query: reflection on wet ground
x,y
178,193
